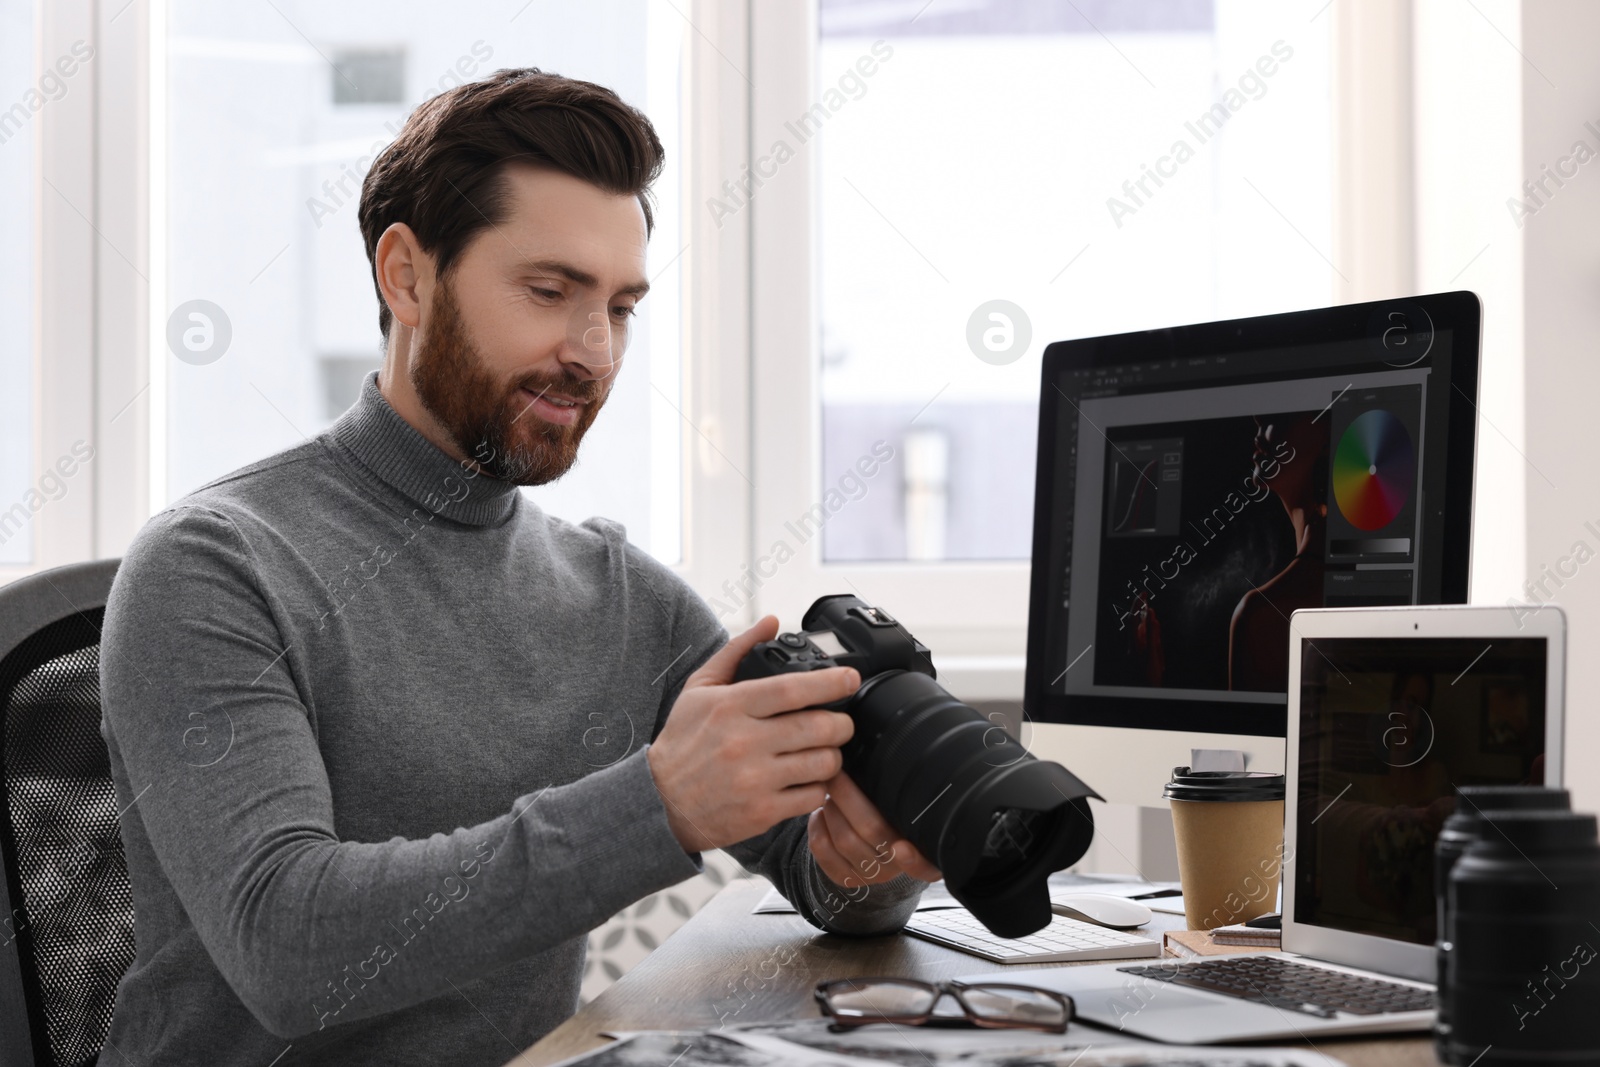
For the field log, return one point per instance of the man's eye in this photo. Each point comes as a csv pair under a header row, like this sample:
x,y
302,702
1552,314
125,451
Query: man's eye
x,y
623,311
546,294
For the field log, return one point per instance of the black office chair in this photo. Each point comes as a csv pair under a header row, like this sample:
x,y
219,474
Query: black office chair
x,y
66,908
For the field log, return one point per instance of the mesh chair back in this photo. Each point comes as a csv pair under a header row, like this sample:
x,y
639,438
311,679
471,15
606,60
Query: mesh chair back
x,y
70,905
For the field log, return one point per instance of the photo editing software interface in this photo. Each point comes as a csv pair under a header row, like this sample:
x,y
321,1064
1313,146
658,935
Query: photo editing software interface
x,y
1200,501
1388,729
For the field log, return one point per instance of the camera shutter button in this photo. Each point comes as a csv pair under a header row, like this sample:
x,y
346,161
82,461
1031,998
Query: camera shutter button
x,y
792,640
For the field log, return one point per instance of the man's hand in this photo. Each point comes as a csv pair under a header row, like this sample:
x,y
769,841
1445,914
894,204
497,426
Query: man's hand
x,y
733,760
855,845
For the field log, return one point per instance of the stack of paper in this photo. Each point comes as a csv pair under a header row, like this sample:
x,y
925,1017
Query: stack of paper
x,y
1240,934
812,1044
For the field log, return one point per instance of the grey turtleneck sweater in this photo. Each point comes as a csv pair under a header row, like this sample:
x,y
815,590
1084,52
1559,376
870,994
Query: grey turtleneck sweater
x,y
379,731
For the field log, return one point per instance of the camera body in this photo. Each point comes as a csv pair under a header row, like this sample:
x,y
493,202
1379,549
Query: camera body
x,y
995,820
854,635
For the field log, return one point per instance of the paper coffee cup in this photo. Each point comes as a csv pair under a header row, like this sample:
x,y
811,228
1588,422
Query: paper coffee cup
x,y
1229,830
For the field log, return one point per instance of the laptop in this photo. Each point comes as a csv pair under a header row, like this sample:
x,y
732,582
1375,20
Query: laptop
x,y
1390,709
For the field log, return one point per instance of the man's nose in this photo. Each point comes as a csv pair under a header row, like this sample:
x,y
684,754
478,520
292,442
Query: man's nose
x,y
594,344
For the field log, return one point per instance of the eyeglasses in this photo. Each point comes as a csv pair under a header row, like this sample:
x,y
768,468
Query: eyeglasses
x,y
854,1002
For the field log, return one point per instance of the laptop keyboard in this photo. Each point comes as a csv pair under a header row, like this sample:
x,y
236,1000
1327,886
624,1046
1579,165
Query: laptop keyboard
x,y
1293,986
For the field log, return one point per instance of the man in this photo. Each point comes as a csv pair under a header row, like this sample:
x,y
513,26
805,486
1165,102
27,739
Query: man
x,y
351,690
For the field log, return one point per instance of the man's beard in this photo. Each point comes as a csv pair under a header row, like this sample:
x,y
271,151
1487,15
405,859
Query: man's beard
x,y
490,421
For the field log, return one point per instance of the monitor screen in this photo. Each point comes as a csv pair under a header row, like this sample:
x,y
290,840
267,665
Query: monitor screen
x,y
1198,485
1389,728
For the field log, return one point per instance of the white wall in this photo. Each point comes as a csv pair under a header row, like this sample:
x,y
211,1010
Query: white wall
x,y
1561,293
1467,133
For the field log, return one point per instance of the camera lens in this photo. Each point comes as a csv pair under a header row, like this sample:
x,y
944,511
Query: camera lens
x,y
1522,973
995,820
1008,841
1474,806
1011,844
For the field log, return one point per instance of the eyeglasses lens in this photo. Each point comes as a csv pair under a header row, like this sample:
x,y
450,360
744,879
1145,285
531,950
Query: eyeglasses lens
x,y
999,1004
876,1000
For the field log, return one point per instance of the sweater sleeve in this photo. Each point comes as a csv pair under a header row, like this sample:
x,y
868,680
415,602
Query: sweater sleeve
x,y
295,919
783,853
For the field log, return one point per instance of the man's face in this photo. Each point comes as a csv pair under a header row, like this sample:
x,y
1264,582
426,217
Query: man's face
x,y
522,340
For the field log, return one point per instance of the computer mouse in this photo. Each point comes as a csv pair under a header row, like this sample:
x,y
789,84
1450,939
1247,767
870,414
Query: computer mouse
x,y
1102,909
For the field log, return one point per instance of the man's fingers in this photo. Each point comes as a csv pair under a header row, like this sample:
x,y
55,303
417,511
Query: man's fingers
x,y
860,810
874,861
835,866
868,861
812,766
719,669
761,697
801,730
869,823
913,862
799,799
828,856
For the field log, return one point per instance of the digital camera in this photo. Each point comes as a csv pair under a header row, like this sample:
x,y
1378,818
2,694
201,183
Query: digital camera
x,y
994,819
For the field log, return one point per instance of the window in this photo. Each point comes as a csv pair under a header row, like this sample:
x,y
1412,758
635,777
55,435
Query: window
x,y
368,76
273,115
961,227
21,95
342,375
821,395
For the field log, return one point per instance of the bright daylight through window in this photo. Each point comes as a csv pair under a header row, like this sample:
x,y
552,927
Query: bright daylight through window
x,y
275,113
22,93
965,224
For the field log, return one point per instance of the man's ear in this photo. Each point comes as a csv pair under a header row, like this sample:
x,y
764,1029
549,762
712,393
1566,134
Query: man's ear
x,y
404,272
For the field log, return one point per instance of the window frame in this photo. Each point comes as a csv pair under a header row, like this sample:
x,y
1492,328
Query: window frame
x,y
975,613
69,232
749,315
973,609
106,379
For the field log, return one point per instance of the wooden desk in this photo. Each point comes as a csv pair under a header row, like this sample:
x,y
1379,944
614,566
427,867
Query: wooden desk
x,y
726,966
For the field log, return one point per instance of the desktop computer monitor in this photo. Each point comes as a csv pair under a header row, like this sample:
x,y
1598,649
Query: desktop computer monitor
x,y
1198,484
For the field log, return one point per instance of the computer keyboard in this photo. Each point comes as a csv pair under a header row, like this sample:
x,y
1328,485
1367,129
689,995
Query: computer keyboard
x,y
1064,940
1293,986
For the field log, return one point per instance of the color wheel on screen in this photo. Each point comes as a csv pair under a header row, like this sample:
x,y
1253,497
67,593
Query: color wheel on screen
x,y
1374,470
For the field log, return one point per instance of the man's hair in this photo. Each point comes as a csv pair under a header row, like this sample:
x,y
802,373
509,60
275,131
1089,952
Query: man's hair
x,y
444,175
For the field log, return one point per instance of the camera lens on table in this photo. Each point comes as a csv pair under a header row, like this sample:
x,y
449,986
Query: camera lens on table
x,y
1474,805
1521,971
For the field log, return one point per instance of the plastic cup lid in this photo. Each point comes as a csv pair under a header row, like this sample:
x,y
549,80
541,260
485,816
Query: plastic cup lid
x,y
1223,785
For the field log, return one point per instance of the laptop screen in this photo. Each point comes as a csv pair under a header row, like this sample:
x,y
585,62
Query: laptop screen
x,y
1389,727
